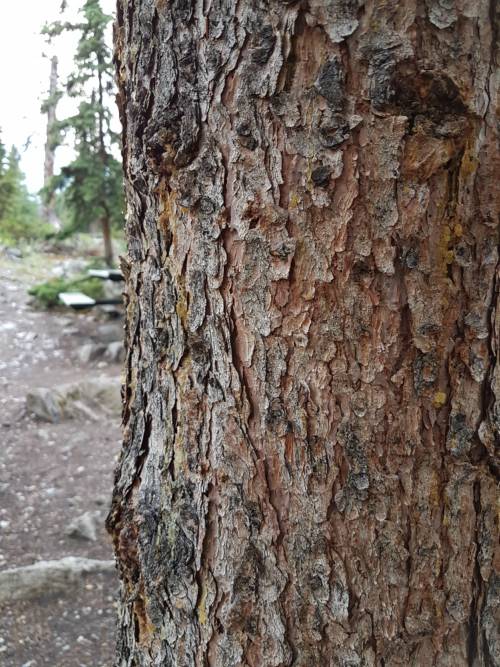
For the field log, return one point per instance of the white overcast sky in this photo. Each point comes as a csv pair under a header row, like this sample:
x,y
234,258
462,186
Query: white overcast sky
x,y
24,77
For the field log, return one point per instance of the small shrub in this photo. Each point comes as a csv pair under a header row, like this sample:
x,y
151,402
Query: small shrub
x,y
47,294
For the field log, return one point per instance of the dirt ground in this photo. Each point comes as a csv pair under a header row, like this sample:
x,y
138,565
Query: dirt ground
x,y
49,475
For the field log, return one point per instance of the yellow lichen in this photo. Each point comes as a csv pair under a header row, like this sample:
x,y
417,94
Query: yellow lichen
x,y
445,255
309,291
309,175
458,230
181,307
202,605
167,212
445,235
439,398
434,496
179,455
468,165
294,200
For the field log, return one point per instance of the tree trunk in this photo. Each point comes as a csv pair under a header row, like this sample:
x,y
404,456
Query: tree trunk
x,y
49,212
108,242
312,393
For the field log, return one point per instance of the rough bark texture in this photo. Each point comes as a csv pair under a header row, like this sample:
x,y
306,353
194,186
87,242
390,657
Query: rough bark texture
x,y
312,394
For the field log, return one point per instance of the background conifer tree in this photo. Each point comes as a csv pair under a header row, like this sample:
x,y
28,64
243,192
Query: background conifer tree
x,y
19,215
91,184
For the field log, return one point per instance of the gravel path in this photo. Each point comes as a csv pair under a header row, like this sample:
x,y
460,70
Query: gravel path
x,y
51,474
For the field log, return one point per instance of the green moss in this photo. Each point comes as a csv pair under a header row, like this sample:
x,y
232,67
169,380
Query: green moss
x,y
47,294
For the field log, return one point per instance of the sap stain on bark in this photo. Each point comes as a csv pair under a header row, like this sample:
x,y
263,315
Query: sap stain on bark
x,y
399,86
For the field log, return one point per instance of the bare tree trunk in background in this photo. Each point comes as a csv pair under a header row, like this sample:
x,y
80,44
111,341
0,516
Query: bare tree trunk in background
x,y
108,241
312,395
106,219
49,213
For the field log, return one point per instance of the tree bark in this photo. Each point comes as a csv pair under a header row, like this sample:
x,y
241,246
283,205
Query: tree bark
x,y
312,392
49,212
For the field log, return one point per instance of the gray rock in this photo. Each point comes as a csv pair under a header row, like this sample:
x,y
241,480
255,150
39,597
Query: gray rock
x,y
108,332
80,410
46,577
46,404
13,253
102,392
115,352
90,352
86,400
85,526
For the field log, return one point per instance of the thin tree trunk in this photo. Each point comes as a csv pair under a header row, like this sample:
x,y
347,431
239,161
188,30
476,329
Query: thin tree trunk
x,y
106,219
108,242
312,393
49,213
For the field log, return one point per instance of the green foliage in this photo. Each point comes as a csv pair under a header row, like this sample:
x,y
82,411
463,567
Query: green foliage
x,y
47,294
19,214
91,189
90,186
